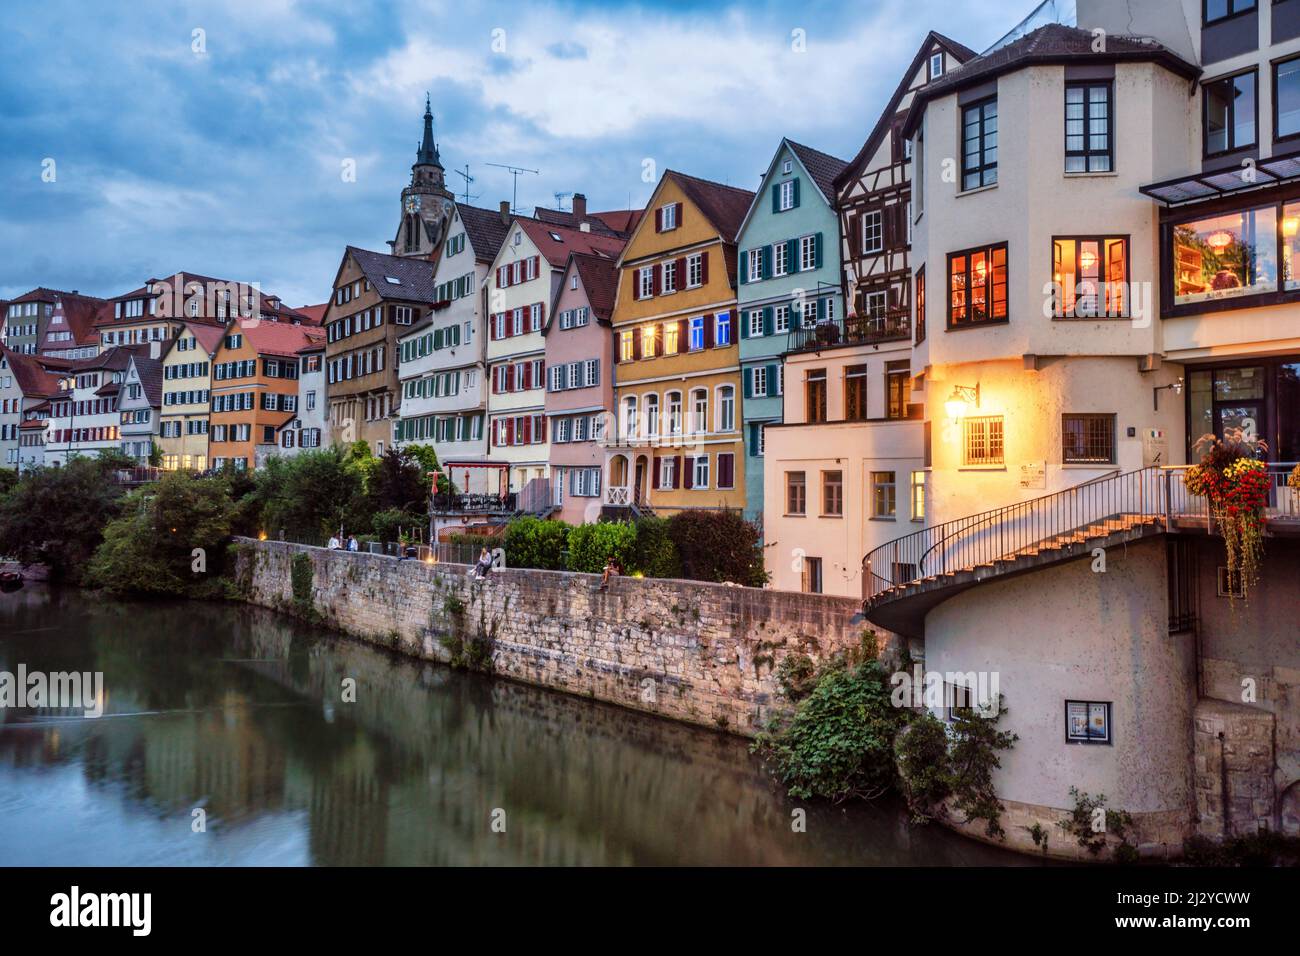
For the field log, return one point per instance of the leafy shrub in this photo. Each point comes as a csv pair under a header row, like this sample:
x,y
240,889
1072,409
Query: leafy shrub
x,y
536,543
653,553
923,765
1080,823
591,545
301,574
797,676
840,741
718,546
390,522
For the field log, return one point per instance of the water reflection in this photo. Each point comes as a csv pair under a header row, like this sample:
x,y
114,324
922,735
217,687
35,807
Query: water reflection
x,y
238,712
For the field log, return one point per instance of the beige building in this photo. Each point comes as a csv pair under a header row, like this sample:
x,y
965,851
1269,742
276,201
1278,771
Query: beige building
x,y
187,377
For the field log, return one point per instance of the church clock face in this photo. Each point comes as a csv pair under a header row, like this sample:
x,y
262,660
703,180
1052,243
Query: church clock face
x,y
413,203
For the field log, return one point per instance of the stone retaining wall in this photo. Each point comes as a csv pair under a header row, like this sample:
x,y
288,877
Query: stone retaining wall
x,y
701,653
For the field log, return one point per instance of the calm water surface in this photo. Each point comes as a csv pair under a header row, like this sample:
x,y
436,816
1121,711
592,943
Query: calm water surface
x,y
237,711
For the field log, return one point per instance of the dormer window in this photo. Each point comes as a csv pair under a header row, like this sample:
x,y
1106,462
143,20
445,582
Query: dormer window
x,y
936,65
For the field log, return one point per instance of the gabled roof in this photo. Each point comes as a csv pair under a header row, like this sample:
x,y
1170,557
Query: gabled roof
x,y
41,294
395,277
557,242
959,52
821,167
724,206
1049,44
618,222
485,228
312,314
80,314
277,338
599,278
150,373
31,378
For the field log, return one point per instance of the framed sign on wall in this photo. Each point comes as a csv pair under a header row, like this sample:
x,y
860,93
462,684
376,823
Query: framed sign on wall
x,y
1087,722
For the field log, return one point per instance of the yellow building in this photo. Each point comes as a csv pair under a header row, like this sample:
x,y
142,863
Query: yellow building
x,y
676,440
187,376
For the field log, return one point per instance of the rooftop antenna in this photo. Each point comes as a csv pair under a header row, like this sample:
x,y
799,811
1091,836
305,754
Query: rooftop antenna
x,y
559,201
468,179
514,172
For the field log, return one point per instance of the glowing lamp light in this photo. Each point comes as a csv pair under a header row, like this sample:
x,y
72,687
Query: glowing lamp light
x,y
1290,226
961,399
1219,240
261,536
1088,260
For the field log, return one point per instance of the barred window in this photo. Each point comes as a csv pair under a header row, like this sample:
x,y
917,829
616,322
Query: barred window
x,y
982,441
1088,439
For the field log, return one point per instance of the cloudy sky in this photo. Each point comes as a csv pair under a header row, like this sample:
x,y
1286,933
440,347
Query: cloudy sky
x,y
223,151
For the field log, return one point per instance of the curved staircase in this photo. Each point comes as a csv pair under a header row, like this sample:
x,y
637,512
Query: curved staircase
x,y
904,578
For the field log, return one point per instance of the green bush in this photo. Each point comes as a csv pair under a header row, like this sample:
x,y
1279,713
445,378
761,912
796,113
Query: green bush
x,y
301,574
591,545
839,743
653,553
925,776
536,543
718,546
391,522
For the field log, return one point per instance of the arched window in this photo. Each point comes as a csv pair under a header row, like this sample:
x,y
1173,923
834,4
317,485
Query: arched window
x,y
726,408
700,410
629,417
674,413
652,415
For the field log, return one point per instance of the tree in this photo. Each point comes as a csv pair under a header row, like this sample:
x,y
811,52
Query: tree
x,y
56,516
397,483
718,546
151,548
310,495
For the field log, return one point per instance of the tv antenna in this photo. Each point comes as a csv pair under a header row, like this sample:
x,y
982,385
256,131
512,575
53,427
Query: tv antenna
x,y
468,179
514,172
559,201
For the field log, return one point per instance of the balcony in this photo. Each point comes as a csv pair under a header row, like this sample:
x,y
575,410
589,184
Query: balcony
x,y
472,504
892,325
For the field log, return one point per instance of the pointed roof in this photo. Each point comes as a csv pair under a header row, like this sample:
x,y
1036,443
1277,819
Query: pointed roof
x,y
150,373
959,52
428,152
313,314
725,206
556,242
485,228
275,338
78,314
821,167
395,277
599,278
32,379
618,222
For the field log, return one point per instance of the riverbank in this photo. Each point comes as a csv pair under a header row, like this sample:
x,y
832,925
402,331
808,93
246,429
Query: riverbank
x,y
701,653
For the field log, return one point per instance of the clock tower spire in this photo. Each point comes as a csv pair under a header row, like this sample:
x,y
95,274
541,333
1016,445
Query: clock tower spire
x,y
426,202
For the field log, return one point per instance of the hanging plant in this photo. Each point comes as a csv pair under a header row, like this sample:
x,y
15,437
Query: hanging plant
x,y
1236,485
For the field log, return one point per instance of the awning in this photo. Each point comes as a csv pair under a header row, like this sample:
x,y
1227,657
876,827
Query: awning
x,y
1225,182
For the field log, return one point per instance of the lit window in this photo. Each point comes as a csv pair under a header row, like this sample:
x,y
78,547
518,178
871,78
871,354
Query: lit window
x,y
1090,277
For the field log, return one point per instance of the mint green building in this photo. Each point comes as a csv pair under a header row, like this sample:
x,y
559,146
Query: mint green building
x,y
788,252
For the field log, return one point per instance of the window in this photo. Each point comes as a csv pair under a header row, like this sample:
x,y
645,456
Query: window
x,y
722,329
808,250
897,388
726,408
1286,98
780,259
652,415
1225,256
649,335
936,65
1229,113
855,393
758,381
812,575
667,472
1088,439
645,282
796,493
833,493
754,265
781,321
982,441
674,413
918,496
977,286
1088,721
873,231
629,417
694,270
699,410
700,473
756,323
1090,277
668,271
786,196
671,338
669,217
696,333
979,158
1088,139
815,395
883,501
726,470
625,346
1229,583
1216,10
920,305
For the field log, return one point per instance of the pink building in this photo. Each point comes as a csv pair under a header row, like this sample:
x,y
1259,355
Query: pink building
x,y
579,382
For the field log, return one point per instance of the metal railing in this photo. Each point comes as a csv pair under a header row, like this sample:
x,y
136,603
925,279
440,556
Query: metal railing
x,y
883,327
456,503
1109,503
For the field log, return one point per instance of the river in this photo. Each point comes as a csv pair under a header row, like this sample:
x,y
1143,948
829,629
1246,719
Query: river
x,y
237,712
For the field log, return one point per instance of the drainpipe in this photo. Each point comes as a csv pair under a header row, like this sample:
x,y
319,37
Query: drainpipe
x,y
1223,783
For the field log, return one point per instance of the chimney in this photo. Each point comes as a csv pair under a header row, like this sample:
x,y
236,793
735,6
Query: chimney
x,y
505,211
580,205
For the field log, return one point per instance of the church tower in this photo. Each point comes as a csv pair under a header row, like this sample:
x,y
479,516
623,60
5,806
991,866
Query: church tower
x,y
426,202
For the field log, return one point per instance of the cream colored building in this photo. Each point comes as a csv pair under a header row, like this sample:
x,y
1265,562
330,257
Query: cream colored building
x,y
187,375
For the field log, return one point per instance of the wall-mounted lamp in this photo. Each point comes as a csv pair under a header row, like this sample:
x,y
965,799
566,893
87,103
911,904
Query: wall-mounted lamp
x,y
1155,392
962,397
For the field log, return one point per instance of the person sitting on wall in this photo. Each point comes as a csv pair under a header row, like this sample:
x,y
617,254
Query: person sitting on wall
x,y
484,566
352,543
334,544
612,569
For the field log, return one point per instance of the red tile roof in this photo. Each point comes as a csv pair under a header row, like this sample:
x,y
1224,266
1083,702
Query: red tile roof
x,y
277,338
313,314
556,242
32,379
725,206
599,281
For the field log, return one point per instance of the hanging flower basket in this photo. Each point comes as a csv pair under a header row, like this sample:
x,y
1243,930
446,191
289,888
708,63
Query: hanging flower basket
x,y
1236,485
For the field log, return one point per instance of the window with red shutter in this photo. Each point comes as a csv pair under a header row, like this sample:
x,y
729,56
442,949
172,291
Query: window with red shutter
x,y
708,331
726,470
659,220
526,431
704,267
677,471
528,375
688,476
657,280
677,216
655,465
